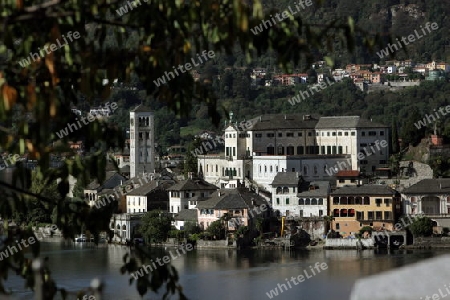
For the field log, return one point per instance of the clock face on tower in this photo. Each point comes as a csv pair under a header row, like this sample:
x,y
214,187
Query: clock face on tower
x,y
132,121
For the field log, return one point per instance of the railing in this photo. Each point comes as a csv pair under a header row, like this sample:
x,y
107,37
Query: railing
x,y
436,215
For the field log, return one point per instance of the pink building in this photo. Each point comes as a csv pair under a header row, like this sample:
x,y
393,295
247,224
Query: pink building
x,y
241,205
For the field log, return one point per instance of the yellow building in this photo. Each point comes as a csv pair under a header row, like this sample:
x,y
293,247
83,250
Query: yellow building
x,y
354,207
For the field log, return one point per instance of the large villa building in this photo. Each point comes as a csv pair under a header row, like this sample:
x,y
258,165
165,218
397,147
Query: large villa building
x,y
316,147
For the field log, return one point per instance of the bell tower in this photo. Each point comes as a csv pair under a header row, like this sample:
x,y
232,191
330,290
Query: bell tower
x,y
142,141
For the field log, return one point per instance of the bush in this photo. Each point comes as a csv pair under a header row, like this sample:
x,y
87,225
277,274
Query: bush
x,y
242,230
216,229
364,229
421,227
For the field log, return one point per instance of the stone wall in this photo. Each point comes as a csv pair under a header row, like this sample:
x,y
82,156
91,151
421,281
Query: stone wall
x,y
215,244
430,242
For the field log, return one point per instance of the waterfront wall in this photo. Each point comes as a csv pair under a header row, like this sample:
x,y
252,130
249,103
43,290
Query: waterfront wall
x,y
432,242
215,244
348,243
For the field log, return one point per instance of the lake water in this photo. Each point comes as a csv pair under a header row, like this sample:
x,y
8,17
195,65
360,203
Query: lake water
x,y
225,274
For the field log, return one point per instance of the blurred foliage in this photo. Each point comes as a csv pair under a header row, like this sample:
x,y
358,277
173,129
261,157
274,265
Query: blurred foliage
x,y
135,48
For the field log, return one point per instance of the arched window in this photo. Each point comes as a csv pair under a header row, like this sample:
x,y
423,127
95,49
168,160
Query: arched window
x,y
124,227
315,170
301,201
358,200
351,200
366,201
343,200
335,200
320,201
290,150
271,169
280,150
285,190
307,201
305,170
265,169
336,212
313,201
279,190
351,212
344,212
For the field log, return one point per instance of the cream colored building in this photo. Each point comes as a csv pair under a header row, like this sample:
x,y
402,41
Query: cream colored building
x,y
354,207
298,143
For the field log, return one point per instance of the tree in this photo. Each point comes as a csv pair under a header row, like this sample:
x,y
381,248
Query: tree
x,y
410,133
156,226
190,159
40,212
39,88
421,227
368,229
216,229
395,145
328,220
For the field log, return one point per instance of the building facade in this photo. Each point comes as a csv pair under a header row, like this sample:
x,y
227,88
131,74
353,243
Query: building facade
x,y
354,207
315,147
430,197
187,193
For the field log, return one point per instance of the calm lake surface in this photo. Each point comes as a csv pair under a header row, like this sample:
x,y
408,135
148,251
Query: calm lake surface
x,y
222,274
225,274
